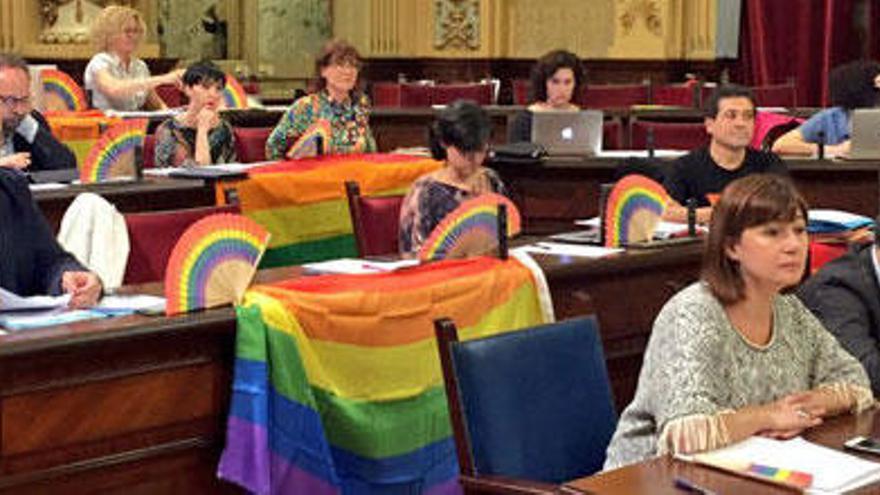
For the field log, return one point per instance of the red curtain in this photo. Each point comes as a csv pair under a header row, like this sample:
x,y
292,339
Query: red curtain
x,y
796,39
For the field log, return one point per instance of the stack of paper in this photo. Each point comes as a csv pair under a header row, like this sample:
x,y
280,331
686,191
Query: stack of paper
x,y
358,266
832,471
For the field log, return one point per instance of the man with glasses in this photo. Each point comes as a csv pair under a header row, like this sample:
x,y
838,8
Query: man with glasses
x,y
703,173
26,142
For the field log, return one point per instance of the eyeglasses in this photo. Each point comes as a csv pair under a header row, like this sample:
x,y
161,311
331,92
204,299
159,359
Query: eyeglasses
x,y
347,64
12,101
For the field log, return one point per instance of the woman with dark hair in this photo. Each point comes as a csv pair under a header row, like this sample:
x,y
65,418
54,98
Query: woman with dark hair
x,y
459,137
853,85
339,105
198,136
557,79
735,355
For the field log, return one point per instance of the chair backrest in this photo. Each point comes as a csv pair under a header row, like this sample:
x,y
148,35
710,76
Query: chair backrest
x,y
668,135
374,220
148,155
614,95
682,94
445,94
612,134
152,237
250,143
385,94
171,95
533,404
416,95
770,126
521,91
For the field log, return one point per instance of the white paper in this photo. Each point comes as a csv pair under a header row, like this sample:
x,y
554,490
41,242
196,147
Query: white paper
x,y
663,230
358,266
843,218
47,186
833,471
562,249
621,154
144,114
37,319
13,302
130,303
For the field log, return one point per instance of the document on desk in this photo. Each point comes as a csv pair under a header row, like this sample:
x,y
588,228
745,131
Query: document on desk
x,y
130,303
818,469
562,249
358,266
25,320
10,301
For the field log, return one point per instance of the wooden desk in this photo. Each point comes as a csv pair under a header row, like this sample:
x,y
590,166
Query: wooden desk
x,y
151,194
138,403
552,195
656,476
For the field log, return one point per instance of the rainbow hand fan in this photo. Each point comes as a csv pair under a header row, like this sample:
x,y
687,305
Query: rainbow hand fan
x,y
113,155
471,229
213,262
633,210
234,95
61,92
313,142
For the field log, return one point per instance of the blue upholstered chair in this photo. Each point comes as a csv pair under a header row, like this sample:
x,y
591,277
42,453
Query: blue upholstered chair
x,y
531,405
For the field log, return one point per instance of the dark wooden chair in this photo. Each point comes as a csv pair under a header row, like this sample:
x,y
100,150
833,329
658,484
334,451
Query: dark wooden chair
x,y
529,409
374,220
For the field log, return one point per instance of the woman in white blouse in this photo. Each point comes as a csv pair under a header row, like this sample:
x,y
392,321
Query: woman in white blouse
x,y
117,79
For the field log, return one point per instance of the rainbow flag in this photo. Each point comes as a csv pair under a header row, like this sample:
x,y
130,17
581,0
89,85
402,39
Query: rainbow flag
x,y
338,387
303,203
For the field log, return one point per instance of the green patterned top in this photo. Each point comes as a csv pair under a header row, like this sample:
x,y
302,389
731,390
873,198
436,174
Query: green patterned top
x,y
349,124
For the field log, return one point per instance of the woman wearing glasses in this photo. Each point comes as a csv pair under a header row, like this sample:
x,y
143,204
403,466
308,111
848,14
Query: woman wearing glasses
x,y
338,110
117,79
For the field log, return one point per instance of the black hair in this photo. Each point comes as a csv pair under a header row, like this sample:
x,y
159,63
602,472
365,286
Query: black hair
x,y
551,62
852,86
204,72
727,91
462,124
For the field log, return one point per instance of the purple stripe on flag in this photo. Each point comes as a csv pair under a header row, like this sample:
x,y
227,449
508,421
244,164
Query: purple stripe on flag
x,y
450,487
289,479
245,458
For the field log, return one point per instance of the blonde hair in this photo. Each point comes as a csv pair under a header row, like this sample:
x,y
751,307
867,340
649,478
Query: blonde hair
x,y
110,22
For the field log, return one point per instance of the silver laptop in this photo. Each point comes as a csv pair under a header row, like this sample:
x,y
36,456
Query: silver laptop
x,y
568,133
865,135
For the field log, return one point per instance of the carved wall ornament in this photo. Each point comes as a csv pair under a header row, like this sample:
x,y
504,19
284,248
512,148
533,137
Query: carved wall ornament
x,y
68,21
457,24
646,10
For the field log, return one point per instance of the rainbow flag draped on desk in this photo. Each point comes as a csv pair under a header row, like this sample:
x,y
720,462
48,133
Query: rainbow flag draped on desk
x,y
303,203
338,387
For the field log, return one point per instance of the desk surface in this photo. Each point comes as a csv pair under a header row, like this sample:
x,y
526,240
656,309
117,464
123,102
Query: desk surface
x,y
656,476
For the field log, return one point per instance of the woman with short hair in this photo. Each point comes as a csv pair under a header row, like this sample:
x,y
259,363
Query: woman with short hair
x,y
116,77
459,137
339,105
734,354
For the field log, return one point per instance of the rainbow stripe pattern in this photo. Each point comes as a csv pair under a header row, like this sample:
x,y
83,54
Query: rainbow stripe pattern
x,y
233,93
113,154
213,262
797,479
303,202
632,210
337,385
313,142
61,92
473,225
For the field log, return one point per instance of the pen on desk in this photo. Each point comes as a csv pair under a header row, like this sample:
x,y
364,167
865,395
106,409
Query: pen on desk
x,y
691,487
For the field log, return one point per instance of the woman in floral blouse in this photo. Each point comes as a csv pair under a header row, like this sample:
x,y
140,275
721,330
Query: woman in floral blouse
x,y
338,104
199,136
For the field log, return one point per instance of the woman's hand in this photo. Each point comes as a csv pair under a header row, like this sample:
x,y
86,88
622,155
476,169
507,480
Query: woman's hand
x,y
207,118
792,414
16,161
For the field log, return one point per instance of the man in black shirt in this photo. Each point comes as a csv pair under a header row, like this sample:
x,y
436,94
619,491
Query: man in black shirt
x,y
31,261
703,173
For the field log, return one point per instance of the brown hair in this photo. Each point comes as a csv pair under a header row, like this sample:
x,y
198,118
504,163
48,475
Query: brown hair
x,y
333,52
13,61
547,66
747,202
110,22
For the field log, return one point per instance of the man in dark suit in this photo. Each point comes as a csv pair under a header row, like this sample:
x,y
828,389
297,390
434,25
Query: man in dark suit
x,y
31,261
26,142
845,295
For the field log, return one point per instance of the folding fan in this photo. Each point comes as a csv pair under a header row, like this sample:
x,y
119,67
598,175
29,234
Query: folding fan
x,y
234,95
113,155
213,262
633,210
313,142
61,92
471,229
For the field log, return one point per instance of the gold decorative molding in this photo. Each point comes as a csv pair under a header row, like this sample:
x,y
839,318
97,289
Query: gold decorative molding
x,y
457,24
641,10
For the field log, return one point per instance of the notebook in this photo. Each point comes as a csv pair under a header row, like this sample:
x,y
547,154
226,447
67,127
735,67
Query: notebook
x,y
865,143
568,133
796,463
